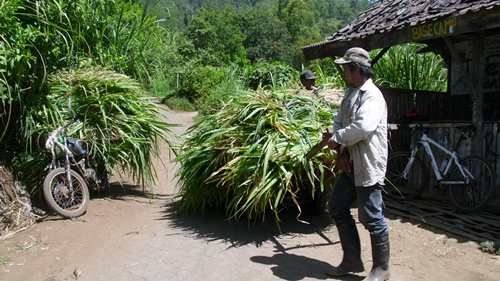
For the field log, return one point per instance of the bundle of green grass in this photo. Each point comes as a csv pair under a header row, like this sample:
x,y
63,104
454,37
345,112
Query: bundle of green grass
x,y
249,158
119,122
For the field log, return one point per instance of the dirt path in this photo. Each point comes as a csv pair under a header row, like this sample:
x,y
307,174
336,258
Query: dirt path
x,y
127,236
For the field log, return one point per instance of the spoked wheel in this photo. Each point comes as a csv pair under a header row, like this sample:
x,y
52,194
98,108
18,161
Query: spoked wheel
x,y
398,187
472,197
59,197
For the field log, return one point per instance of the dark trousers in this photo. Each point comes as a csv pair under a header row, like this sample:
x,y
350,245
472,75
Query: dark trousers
x,y
369,201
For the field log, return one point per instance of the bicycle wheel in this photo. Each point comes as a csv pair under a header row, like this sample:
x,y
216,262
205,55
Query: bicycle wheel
x,y
60,199
475,195
399,188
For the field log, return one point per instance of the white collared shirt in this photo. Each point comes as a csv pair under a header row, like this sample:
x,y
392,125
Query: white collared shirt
x,y
361,127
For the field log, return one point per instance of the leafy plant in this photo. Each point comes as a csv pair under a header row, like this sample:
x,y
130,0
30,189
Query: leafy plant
x,y
248,157
222,94
179,104
4,260
216,36
269,75
199,81
120,124
401,67
24,246
39,38
489,247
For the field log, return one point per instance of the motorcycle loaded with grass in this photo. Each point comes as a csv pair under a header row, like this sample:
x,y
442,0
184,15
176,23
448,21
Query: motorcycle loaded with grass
x,y
71,173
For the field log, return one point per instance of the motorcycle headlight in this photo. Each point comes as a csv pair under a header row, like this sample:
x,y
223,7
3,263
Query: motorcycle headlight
x,y
78,147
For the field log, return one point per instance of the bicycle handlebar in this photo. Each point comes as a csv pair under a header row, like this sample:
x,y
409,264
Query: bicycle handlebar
x,y
465,129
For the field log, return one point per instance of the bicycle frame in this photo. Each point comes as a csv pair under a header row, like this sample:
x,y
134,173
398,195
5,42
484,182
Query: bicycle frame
x,y
427,142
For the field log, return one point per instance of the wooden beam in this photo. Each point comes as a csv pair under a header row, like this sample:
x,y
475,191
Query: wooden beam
x,y
379,55
478,63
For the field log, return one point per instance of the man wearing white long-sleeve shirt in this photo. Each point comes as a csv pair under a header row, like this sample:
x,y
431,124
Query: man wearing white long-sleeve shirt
x,y
360,139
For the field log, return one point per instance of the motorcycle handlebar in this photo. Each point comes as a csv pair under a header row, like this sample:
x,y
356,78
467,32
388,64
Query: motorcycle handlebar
x,y
73,120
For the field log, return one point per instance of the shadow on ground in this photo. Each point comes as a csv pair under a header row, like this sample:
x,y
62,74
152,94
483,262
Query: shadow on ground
x,y
285,267
290,266
214,226
123,191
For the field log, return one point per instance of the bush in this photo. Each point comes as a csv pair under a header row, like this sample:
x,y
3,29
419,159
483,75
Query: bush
x,y
489,247
223,94
265,75
179,104
199,81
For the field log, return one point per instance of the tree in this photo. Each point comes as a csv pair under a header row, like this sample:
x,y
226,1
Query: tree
x,y
217,36
298,17
262,42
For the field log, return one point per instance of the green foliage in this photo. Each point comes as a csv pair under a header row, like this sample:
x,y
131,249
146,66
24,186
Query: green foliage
x,y
199,81
210,88
17,44
269,74
298,17
235,30
328,74
4,260
249,156
42,37
489,247
262,42
179,104
217,37
120,125
223,94
401,67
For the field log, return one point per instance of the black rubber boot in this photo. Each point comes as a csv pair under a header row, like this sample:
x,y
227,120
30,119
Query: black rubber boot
x,y
381,254
351,261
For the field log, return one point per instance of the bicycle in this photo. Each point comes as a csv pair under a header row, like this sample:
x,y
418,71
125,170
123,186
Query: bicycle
x,y
470,184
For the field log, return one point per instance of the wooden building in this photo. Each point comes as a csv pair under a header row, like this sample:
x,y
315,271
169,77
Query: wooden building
x,y
466,34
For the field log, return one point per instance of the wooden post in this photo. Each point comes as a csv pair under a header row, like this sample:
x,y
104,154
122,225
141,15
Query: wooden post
x,y
478,63
177,78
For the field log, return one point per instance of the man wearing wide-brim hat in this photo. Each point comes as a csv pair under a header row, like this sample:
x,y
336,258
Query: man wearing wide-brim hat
x,y
360,139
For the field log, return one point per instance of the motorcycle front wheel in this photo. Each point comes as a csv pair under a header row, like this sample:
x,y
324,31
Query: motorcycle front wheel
x,y
60,198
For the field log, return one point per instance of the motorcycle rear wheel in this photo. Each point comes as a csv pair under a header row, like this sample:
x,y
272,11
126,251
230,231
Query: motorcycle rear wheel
x,y
58,195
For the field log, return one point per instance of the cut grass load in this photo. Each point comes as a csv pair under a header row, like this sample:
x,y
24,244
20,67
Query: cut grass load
x,y
122,127
249,157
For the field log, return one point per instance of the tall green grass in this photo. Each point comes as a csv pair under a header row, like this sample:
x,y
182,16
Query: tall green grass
x,y
402,67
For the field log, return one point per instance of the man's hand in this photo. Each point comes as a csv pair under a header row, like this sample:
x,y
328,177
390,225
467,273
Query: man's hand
x,y
333,144
342,161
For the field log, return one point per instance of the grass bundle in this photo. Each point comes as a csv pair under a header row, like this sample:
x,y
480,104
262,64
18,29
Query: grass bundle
x,y
119,123
250,156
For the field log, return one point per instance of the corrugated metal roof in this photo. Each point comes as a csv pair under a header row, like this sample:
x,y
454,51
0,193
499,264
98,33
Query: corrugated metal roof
x,y
397,14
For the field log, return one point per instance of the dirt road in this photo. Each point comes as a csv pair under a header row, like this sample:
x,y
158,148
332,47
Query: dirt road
x,y
127,236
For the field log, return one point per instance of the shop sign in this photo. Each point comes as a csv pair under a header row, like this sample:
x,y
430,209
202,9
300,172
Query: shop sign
x,y
435,29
